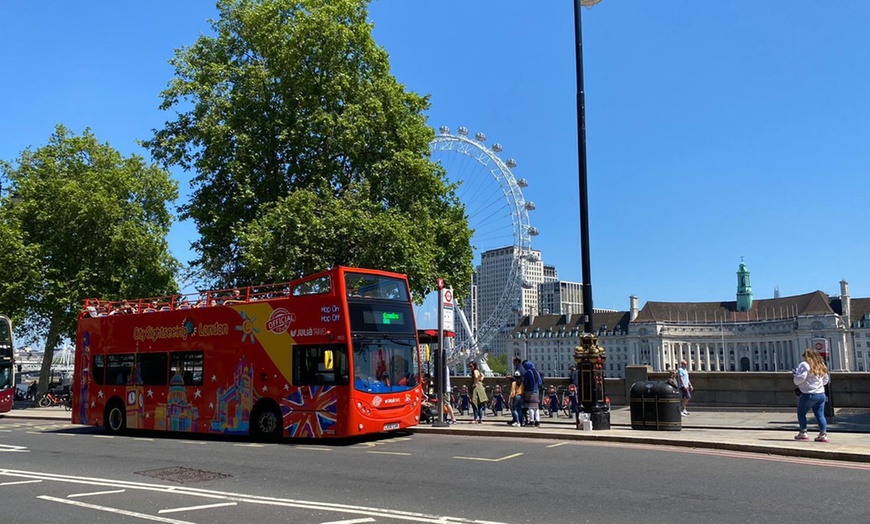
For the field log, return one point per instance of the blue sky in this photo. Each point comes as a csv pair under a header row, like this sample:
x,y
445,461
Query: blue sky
x,y
715,130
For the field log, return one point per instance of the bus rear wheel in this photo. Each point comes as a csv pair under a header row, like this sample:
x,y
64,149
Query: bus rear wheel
x,y
266,423
115,419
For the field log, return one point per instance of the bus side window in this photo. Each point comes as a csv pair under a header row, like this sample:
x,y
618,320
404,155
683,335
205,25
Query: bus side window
x,y
98,369
319,365
189,365
118,368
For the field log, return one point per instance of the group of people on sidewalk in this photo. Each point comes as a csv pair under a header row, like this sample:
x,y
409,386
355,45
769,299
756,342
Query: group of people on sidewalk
x,y
525,394
810,378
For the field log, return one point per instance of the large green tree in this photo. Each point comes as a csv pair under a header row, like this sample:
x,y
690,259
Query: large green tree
x,y
306,152
85,222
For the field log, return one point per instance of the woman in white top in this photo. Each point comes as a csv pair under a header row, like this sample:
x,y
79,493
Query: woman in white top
x,y
811,376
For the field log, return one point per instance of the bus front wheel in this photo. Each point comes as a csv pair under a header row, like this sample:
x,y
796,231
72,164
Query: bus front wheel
x,y
115,418
266,423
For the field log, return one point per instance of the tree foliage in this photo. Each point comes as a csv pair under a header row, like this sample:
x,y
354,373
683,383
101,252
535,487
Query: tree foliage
x,y
86,222
306,152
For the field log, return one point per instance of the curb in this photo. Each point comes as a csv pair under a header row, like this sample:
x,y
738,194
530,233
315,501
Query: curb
x,y
648,440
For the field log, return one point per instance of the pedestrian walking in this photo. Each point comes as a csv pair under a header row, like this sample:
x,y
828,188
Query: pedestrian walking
x,y
517,400
532,383
810,377
478,394
573,377
685,386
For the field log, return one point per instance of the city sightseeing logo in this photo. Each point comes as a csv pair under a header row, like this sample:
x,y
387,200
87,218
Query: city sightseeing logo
x,y
279,321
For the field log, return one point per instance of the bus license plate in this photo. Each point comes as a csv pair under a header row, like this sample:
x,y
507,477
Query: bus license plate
x,y
393,425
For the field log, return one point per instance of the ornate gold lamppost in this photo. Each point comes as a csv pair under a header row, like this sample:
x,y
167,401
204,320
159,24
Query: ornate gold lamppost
x,y
590,359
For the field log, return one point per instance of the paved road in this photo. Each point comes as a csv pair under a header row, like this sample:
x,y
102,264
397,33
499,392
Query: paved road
x,y
65,473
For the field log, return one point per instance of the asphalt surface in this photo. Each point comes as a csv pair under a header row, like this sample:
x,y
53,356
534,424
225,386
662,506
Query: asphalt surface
x,y
749,430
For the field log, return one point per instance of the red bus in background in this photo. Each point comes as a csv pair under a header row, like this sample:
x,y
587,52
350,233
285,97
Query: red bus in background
x,y
330,355
7,365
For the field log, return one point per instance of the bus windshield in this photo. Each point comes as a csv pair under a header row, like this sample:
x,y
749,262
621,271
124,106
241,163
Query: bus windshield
x,y
375,286
385,365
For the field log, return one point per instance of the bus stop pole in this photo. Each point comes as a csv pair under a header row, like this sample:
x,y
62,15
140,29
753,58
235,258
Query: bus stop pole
x,y
440,365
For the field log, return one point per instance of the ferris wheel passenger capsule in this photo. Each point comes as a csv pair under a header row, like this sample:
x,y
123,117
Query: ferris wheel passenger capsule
x,y
533,231
444,130
497,147
522,182
511,163
480,137
463,131
530,206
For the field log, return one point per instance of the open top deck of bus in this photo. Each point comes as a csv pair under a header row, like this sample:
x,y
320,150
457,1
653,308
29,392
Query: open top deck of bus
x,y
365,285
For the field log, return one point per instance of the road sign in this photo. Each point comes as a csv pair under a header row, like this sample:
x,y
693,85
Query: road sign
x,y
821,345
447,310
440,284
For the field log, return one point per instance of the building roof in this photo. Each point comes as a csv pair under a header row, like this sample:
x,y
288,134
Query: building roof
x,y
557,323
815,303
860,307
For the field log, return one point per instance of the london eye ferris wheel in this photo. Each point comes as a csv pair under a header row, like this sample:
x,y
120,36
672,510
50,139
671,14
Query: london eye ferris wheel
x,y
498,215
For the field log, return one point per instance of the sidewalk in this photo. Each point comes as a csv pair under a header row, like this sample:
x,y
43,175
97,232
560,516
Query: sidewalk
x,y
749,430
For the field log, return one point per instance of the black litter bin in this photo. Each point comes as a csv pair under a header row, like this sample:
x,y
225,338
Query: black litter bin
x,y
655,406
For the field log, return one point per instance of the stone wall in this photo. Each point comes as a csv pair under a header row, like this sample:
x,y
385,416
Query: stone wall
x,y
722,389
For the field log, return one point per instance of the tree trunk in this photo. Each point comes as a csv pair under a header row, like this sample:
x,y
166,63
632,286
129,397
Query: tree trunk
x,y
48,356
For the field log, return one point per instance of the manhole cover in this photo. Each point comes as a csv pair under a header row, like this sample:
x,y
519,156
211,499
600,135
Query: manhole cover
x,y
182,475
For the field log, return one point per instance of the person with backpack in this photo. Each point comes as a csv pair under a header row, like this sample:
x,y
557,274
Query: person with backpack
x,y
532,383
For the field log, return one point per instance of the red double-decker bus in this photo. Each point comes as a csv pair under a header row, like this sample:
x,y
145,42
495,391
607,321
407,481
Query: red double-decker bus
x,y
330,355
7,365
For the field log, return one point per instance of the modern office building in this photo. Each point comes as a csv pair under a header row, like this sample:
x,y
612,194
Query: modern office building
x,y
496,268
560,298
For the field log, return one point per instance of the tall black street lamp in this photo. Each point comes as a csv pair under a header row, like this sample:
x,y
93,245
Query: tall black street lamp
x,y
581,149
590,357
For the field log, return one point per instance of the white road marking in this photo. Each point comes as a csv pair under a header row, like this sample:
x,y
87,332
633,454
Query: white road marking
x,y
515,455
312,448
352,521
556,445
93,493
193,508
144,439
251,445
20,482
331,506
102,436
14,449
389,453
114,510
